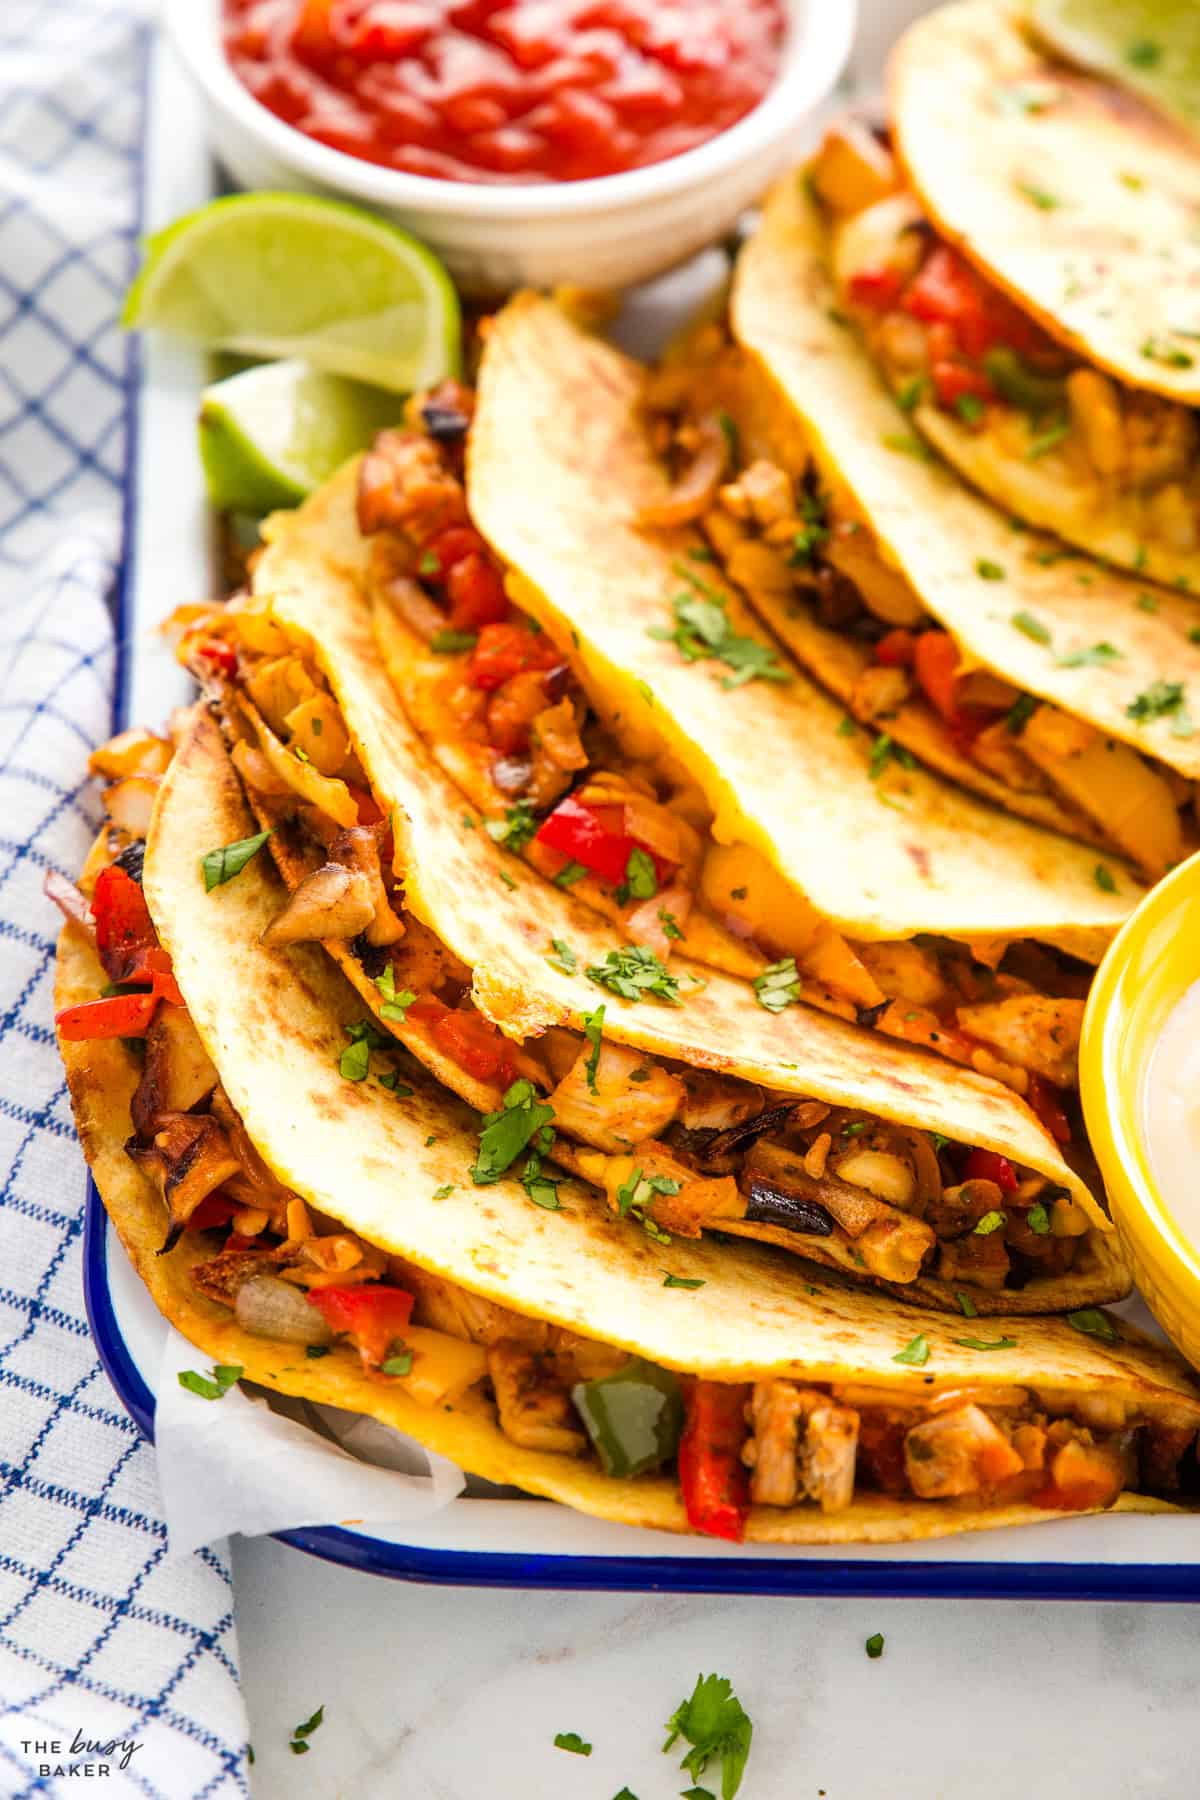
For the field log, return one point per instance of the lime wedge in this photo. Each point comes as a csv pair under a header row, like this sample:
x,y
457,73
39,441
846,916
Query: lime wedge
x,y
273,433
1152,46
275,275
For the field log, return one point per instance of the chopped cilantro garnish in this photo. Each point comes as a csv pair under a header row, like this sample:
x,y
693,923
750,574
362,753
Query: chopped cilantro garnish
x,y
541,1188
916,1351
885,750
298,1743
670,925
564,957
905,444
1019,714
315,1351
1024,97
1105,879
1094,656
969,408
396,1001
593,1025
991,1221
1038,1220
1146,603
778,985
1158,701
1154,350
641,880
507,879
213,1386
939,1138
399,1364
1094,1323
445,1191
1000,1343
634,1195
635,972
812,534
1194,635
874,1645
299,754
988,571
730,432
716,1725
571,1740
1143,53
515,829
429,564
855,1127
222,865
703,629
1044,441
569,874
522,1118
1037,196
966,1305
449,643
1031,626
908,395
846,726
679,1281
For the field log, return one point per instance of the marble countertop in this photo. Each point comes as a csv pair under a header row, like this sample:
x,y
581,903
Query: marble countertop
x,y
457,1693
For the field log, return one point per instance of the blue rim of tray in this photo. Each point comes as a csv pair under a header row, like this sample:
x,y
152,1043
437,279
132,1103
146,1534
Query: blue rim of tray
x,y
657,1574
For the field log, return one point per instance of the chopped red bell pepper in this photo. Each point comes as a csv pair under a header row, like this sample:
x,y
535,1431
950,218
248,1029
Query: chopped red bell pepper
x,y
1047,1102
716,1492
596,837
120,1015
124,928
953,380
946,290
989,1165
213,1211
369,813
935,658
475,590
507,650
476,1045
221,655
373,1315
897,649
876,289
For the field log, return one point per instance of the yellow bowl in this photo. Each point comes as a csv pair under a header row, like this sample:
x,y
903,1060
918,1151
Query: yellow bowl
x,y
1149,967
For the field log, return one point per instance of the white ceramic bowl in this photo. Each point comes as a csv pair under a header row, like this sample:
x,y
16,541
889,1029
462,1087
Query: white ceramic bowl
x,y
607,233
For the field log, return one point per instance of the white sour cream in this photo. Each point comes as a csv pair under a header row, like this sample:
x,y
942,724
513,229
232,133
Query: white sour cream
x,y
1171,1113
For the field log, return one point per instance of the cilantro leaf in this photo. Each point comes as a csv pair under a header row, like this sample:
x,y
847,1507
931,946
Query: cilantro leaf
x,y
593,1025
504,1134
396,1001
874,1645
399,1364
541,1188
670,925
966,1305
213,1386
449,643
569,874
1158,701
885,750
991,1221
220,866
564,957
680,1281
703,629
1095,656
636,1194
515,829
641,878
716,1725
634,972
1105,879
1031,626
1094,1323
915,1352
778,985
1000,1343
571,1740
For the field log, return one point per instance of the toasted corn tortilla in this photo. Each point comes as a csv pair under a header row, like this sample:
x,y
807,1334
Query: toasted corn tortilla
x,y
558,467
500,918
1040,198
935,530
273,1023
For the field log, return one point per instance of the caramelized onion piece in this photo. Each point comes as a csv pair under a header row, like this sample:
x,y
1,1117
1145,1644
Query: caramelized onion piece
x,y
696,489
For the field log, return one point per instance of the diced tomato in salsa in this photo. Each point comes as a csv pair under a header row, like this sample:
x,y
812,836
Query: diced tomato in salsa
x,y
120,1015
475,590
507,650
988,1165
124,928
507,90
470,1040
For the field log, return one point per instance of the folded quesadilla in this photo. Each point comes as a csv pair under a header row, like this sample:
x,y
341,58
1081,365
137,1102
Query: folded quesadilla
x,y
600,694
323,1230
1026,279
990,651
694,1098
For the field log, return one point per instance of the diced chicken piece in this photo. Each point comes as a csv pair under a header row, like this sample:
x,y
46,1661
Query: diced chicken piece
x,y
626,1180
130,803
828,1455
999,752
1131,801
188,1157
405,484
1173,517
906,971
715,1102
533,1402
888,1177
982,1261
131,753
453,1309
884,590
761,569
852,169
776,1409
629,1099
896,1247
332,902
1083,1474
177,1072
659,922
1033,1031
767,490
879,692
957,1453
329,795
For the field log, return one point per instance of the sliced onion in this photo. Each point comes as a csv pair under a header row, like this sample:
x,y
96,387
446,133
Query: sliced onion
x,y
268,1307
68,899
694,492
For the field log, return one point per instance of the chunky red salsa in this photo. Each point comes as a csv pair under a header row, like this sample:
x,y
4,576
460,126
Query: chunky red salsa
x,y
507,90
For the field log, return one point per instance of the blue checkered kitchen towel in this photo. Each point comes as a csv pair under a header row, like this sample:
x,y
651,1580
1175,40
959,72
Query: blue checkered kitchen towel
x,y
101,1639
